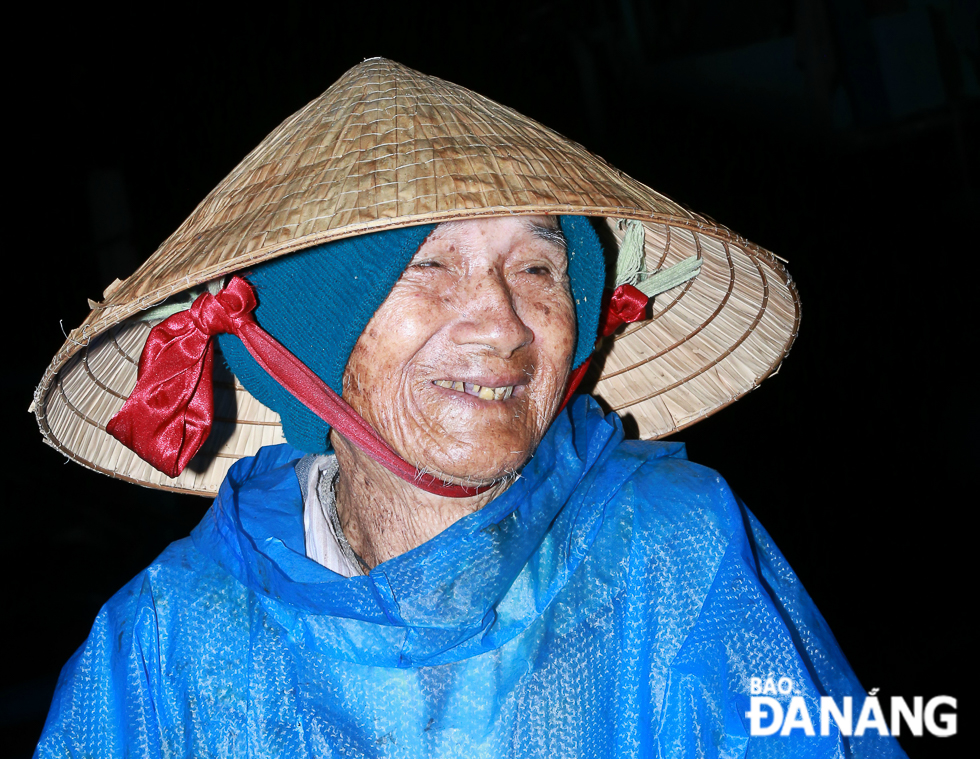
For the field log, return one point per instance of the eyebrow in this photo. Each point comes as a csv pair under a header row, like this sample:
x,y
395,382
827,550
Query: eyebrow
x,y
554,235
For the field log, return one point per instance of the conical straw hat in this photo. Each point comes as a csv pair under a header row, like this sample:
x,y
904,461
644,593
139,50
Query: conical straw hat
x,y
389,147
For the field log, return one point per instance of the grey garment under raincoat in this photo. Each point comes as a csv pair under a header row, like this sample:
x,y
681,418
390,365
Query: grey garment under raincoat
x,y
615,601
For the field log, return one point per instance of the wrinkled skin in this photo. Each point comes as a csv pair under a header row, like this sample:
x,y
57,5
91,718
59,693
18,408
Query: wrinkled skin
x,y
484,302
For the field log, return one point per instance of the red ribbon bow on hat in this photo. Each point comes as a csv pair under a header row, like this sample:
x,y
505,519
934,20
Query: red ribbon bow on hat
x,y
169,414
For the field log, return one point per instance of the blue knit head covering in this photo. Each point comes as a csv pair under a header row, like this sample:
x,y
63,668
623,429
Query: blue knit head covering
x,y
318,301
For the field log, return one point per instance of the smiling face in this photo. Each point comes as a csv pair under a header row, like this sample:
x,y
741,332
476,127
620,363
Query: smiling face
x,y
463,366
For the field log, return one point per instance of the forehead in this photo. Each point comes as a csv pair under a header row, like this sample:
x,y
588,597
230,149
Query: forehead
x,y
546,228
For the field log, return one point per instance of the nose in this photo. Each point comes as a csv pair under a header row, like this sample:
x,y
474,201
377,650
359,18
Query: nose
x,y
488,316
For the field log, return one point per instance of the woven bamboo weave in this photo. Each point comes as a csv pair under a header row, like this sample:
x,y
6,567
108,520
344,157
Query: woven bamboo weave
x,y
388,147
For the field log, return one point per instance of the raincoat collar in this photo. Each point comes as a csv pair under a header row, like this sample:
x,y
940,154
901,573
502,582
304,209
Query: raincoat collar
x,y
479,582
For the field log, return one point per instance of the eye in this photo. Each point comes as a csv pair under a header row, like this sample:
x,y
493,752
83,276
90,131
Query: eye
x,y
538,270
427,265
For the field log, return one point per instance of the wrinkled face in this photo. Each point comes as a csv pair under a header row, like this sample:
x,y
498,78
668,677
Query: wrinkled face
x,y
463,367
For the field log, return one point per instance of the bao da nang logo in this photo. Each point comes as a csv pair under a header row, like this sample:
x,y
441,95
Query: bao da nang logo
x,y
770,714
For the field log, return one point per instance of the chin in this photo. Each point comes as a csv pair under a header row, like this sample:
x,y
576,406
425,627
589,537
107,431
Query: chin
x,y
473,463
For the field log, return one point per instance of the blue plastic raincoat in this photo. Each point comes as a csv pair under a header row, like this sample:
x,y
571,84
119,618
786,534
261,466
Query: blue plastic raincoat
x,y
615,601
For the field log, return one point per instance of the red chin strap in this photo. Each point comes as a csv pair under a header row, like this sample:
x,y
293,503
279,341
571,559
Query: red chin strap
x,y
625,304
170,412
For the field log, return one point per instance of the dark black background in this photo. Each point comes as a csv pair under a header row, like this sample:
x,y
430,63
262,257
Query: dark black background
x,y
857,457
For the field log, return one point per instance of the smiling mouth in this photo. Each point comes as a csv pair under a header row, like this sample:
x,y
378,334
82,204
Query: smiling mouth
x,y
480,391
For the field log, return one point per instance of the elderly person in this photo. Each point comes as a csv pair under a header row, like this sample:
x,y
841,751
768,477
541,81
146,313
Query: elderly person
x,y
461,369
445,559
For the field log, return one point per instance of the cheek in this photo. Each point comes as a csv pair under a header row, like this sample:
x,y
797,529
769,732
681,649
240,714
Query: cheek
x,y
371,363
371,382
376,369
557,327
356,375
555,336
407,322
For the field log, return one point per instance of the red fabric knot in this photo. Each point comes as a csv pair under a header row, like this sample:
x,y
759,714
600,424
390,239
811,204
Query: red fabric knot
x,y
216,314
626,304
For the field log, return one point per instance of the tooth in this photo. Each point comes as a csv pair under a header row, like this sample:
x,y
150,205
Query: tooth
x,y
508,391
498,393
458,386
444,383
486,393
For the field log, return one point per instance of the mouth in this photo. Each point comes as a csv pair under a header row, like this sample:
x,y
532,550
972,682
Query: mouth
x,y
479,391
